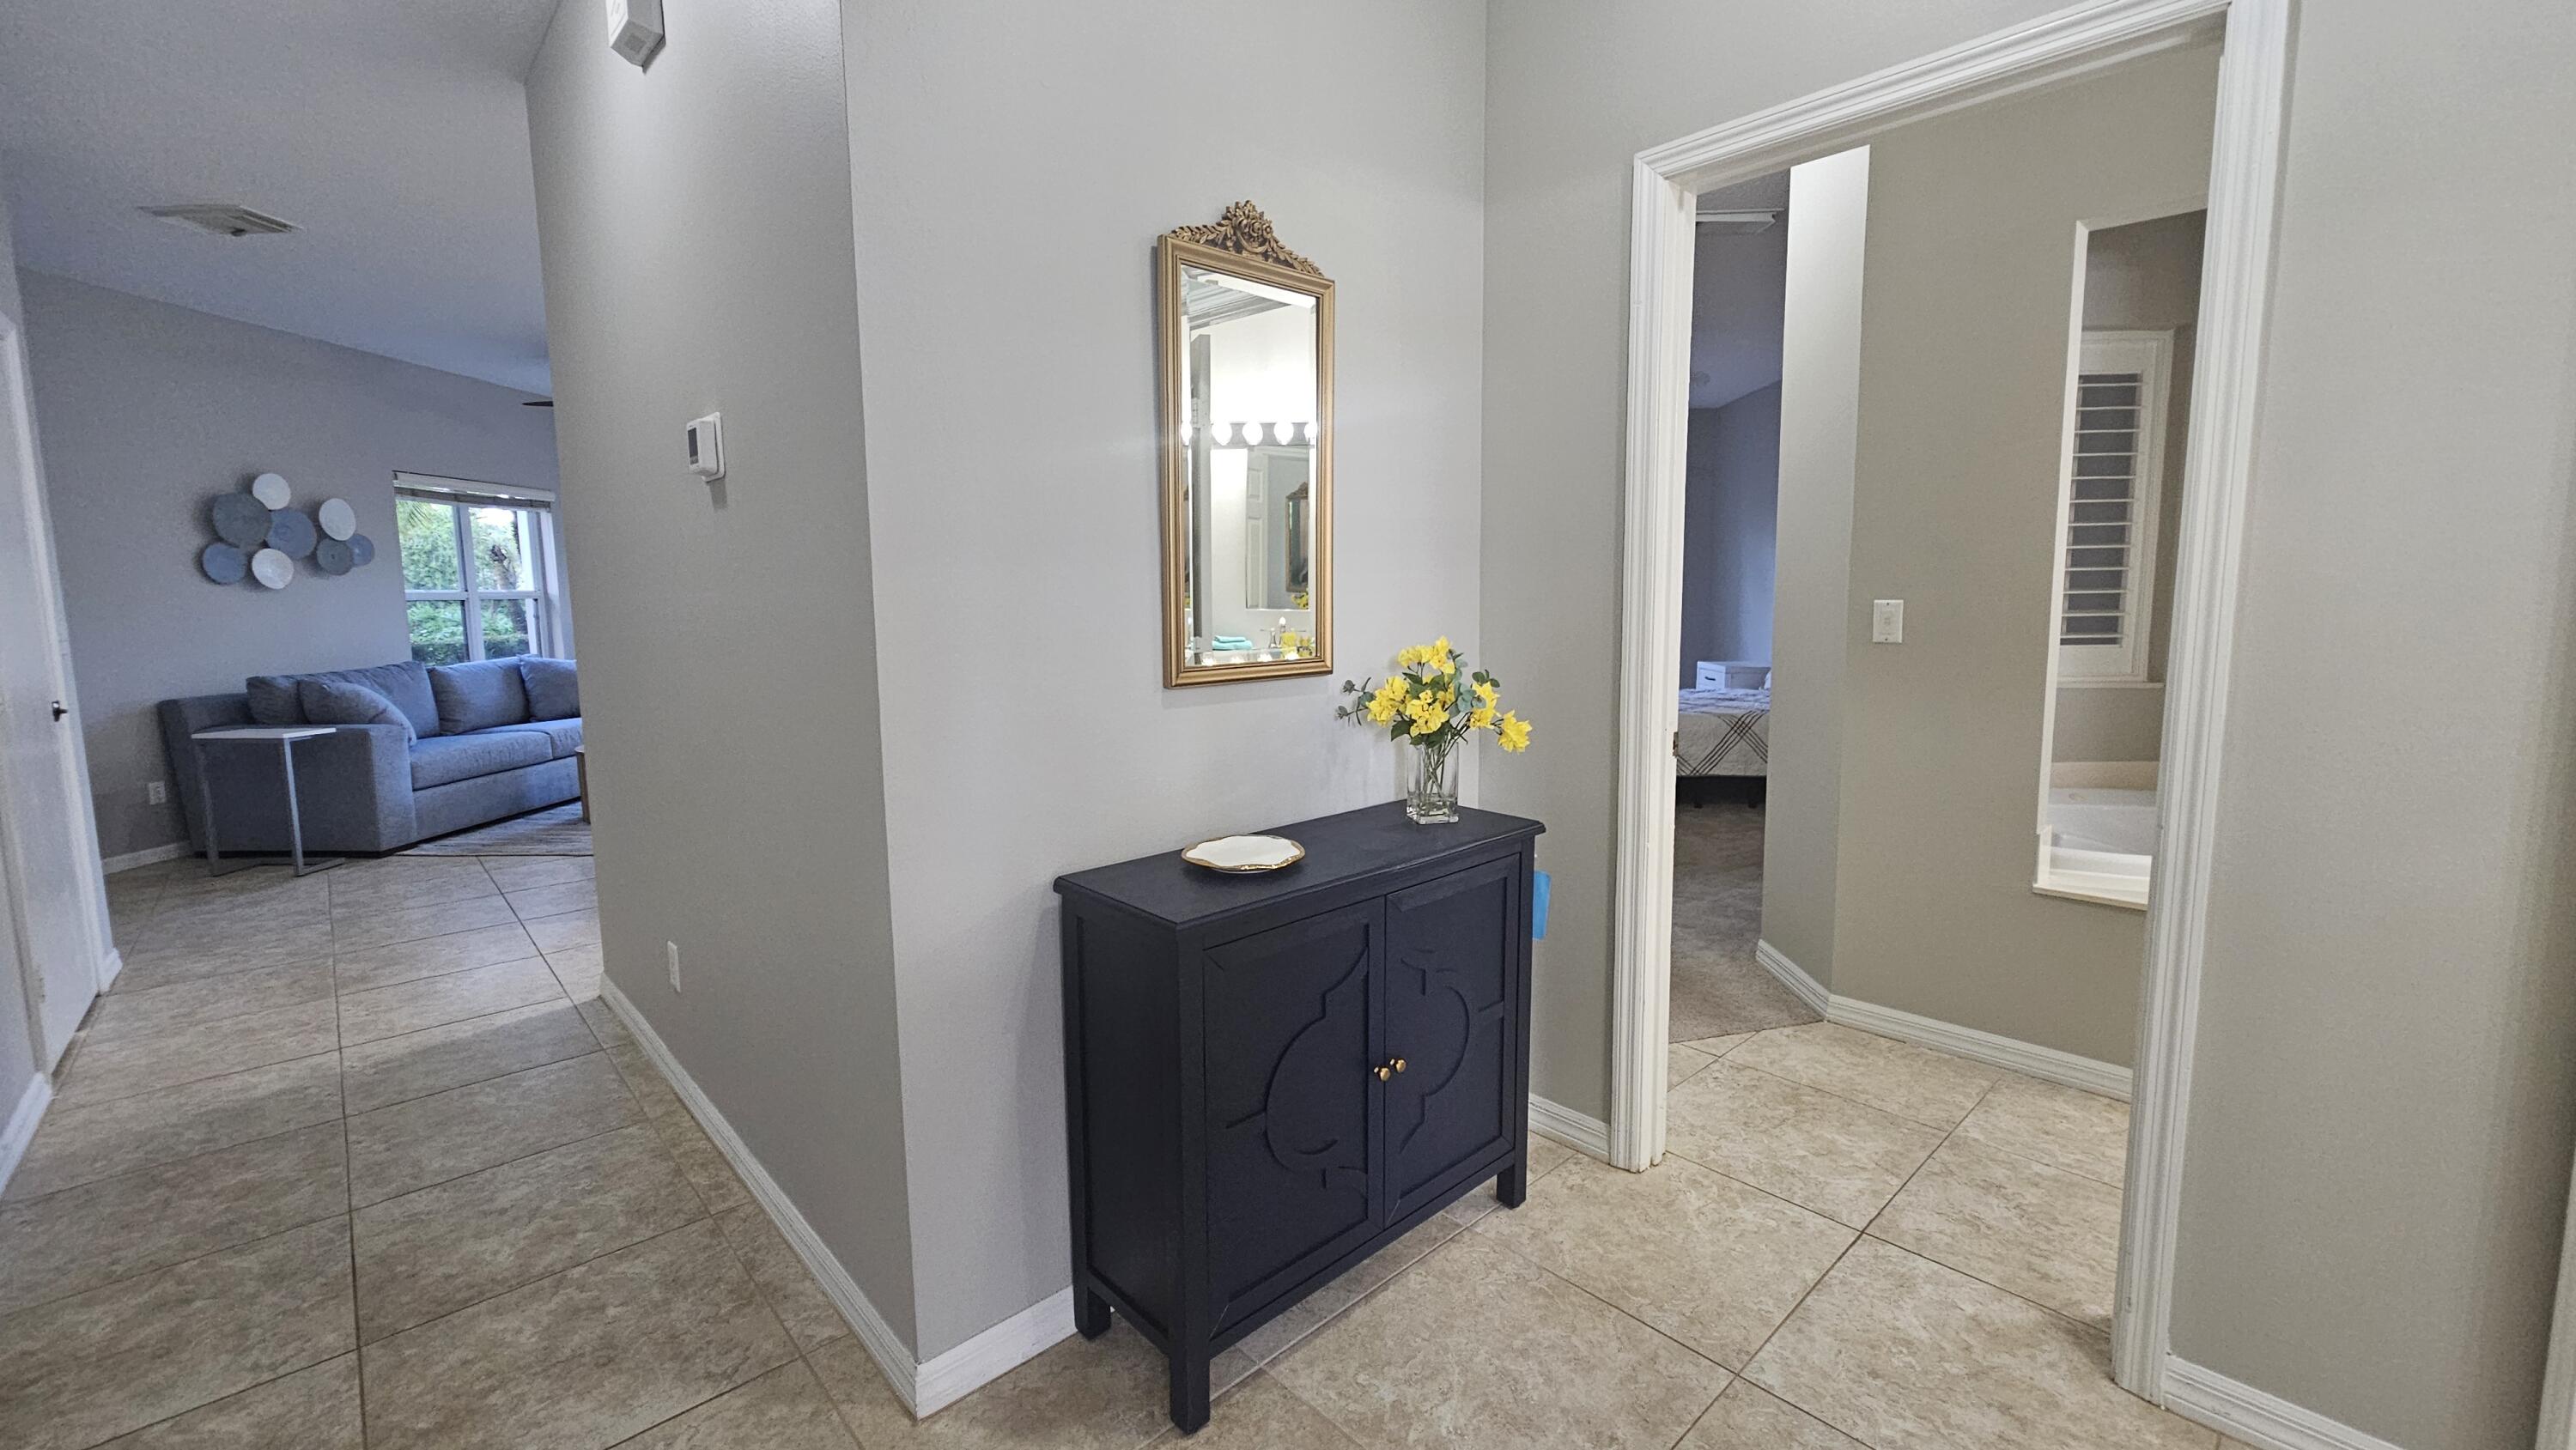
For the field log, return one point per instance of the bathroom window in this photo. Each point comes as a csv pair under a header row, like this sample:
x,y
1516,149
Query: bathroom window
x,y
477,571
2111,476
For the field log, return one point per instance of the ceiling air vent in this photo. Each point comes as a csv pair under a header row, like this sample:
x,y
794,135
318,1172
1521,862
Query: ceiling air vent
x,y
222,219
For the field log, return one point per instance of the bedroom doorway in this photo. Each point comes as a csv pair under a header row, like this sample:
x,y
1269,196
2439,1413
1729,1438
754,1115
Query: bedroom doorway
x,y
1730,554
1910,734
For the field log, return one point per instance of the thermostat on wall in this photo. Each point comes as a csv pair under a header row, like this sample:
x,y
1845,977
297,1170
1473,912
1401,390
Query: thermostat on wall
x,y
635,29
706,446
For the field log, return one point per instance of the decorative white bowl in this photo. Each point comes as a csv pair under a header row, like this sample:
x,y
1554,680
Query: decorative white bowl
x,y
1242,854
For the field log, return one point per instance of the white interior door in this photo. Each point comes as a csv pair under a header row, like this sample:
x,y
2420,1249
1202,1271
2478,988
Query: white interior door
x,y
45,837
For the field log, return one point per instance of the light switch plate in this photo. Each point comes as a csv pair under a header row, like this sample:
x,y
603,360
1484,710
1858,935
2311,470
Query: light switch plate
x,y
1887,621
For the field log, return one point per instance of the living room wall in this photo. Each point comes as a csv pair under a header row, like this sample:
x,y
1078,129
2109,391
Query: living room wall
x,y
145,412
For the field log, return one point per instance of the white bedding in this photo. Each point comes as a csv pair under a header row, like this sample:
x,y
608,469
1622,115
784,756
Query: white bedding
x,y
1724,732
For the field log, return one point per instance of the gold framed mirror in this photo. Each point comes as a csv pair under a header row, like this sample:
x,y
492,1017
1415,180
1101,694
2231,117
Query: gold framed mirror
x,y
1246,341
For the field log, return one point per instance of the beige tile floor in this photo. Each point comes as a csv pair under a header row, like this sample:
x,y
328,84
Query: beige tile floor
x,y
360,1160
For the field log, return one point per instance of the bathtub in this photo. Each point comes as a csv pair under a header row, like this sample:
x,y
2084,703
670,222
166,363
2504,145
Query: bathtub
x,y
2099,842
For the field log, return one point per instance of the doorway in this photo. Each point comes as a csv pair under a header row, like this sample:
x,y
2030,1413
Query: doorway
x,y
2240,196
48,842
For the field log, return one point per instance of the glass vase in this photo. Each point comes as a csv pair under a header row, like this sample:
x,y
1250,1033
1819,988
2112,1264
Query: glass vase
x,y
1431,783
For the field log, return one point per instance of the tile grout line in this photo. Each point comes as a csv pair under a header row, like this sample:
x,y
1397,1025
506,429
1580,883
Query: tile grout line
x,y
1862,1233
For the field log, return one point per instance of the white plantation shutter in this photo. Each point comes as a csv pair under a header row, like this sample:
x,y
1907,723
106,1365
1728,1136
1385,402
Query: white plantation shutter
x,y
2113,474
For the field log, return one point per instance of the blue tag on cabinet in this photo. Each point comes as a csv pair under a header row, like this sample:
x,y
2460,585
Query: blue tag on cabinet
x,y
1538,906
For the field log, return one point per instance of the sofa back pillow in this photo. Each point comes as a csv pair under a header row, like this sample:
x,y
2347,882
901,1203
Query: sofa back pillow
x,y
554,687
339,702
275,700
479,696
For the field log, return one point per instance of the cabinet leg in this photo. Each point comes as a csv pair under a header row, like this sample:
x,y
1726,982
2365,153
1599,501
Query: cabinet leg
x,y
1190,1391
1512,1185
1090,1313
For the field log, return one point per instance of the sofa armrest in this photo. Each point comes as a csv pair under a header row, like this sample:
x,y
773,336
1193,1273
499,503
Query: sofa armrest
x,y
353,790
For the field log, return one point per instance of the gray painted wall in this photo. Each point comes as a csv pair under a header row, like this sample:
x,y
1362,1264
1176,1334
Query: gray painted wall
x,y
1730,525
1966,306
2143,277
150,410
17,1047
2381,1056
2384,1095
1819,428
1013,492
696,235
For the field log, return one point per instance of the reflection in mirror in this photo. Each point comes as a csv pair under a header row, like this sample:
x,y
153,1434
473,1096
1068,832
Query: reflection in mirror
x,y
2119,507
1247,349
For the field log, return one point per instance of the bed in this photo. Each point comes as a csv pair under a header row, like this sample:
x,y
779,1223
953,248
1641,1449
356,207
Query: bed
x,y
1724,732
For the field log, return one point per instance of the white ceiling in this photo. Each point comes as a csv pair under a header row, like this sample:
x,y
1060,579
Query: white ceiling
x,y
1739,290
394,132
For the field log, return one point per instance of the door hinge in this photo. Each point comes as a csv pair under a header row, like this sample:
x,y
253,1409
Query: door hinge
x,y
60,709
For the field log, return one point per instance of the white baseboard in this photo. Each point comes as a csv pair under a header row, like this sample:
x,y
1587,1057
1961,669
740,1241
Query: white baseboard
x,y
924,1387
1560,1124
2265,1421
21,1128
2027,1058
146,857
946,1378
1793,977
110,967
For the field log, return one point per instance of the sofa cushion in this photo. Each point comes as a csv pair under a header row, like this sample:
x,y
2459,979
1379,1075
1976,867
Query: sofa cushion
x,y
563,735
444,759
479,696
274,699
340,702
554,689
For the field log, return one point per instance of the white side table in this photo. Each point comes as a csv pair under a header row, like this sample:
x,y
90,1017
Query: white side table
x,y
284,738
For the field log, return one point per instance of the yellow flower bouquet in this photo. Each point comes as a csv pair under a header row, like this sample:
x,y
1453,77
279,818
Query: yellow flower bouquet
x,y
1433,702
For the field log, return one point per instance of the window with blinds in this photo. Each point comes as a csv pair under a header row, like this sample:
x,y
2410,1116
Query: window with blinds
x,y
2113,472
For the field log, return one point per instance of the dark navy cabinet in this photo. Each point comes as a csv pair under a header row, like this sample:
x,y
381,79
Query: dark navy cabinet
x,y
1268,1078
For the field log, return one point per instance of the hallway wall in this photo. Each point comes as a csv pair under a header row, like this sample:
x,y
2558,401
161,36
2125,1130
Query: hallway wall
x,y
1013,491
695,226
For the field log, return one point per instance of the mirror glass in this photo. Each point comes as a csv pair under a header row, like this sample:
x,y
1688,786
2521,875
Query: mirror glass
x,y
1247,353
1249,370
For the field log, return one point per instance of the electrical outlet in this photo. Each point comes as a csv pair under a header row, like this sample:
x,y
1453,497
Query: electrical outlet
x,y
671,950
156,793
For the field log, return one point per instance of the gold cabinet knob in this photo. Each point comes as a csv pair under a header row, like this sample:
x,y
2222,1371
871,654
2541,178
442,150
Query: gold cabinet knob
x,y
1384,1073
1398,1064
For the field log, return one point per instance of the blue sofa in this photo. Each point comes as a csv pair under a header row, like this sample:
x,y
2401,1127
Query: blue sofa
x,y
459,745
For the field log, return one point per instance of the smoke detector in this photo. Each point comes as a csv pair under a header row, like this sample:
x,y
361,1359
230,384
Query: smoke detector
x,y
1738,221
224,219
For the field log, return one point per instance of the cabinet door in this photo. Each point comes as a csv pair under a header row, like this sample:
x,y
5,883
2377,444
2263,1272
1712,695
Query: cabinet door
x,y
1292,1129
1452,1014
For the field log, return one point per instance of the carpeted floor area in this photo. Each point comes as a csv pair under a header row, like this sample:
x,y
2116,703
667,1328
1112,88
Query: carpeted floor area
x,y
555,831
1718,988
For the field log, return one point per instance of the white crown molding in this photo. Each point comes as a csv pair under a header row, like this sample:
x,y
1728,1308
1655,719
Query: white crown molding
x,y
924,1387
21,1128
2264,1421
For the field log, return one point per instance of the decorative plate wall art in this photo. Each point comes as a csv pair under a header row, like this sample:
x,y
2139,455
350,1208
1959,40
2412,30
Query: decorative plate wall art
x,y
258,536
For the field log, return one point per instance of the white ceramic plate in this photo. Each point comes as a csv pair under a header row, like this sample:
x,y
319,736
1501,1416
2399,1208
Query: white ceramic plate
x,y
337,518
272,568
1245,853
271,490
